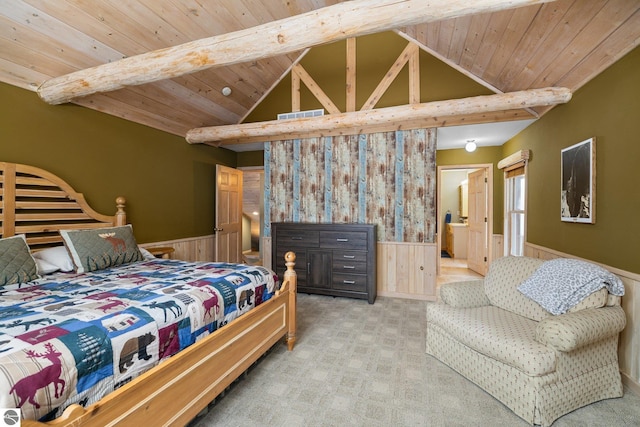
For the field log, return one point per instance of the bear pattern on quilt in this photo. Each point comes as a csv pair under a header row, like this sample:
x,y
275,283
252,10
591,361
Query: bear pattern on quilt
x,y
72,338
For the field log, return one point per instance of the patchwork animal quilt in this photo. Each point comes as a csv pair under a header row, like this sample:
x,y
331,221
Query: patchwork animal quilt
x,y
73,338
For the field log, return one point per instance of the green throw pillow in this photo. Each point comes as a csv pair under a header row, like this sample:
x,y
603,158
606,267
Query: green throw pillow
x,y
101,248
16,263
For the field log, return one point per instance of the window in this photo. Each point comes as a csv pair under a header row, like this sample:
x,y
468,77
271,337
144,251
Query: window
x,y
515,209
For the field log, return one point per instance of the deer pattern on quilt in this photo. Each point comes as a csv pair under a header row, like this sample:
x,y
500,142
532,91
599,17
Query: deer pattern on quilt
x,y
166,306
26,324
86,326
111,303
27,387
210,304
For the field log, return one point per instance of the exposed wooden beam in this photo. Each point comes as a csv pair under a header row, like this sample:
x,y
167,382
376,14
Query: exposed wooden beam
x,y
348,19
410,51
316,90
414,76
351,74
432,122
276,83
295,91
400,117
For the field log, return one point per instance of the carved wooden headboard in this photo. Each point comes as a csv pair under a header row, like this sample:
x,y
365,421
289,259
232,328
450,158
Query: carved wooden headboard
x,y
38,204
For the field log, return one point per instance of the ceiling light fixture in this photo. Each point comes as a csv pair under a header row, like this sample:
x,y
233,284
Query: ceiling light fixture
x,y
470,145
226,91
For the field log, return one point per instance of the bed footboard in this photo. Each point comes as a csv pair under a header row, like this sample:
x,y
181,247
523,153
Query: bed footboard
x,y
175,391
290,288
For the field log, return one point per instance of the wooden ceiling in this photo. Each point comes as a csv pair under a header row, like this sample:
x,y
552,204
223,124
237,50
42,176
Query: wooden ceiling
x,y
565,43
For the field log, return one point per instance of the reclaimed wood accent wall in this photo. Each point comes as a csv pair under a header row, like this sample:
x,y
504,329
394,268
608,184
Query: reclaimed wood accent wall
x,y
387,179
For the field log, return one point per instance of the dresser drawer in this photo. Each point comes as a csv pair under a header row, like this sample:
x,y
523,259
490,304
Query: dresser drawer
x,y
353,262
298,238
300,265
350,282
353,256
332,259
343,239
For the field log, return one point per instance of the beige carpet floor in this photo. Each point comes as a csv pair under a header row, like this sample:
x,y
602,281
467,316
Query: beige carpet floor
x,y
357,364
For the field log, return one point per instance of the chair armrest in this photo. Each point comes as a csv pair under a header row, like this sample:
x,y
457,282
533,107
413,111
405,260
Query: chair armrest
x,y
570,331
464,294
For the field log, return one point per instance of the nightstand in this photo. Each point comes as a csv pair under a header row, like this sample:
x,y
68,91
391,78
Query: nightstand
x,y
162,251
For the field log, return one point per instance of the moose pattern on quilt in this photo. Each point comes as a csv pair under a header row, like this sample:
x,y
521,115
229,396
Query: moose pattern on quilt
x,y
73,338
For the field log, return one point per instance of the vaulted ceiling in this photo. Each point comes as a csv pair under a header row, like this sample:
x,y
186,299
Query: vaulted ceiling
x,y
564,43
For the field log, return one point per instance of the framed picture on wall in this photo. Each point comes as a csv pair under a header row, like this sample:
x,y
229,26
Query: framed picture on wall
x,y
578,195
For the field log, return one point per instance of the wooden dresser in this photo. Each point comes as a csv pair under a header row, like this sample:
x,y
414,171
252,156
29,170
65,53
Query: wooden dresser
x,y
331,259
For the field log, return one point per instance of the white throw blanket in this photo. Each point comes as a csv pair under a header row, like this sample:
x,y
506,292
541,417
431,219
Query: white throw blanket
x,y
559,284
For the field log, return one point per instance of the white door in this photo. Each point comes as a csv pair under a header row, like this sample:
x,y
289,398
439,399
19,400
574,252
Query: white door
x,y
228,225
478,243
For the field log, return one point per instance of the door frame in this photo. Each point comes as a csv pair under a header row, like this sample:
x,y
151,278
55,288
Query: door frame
x,y
218,230
261,212
489,213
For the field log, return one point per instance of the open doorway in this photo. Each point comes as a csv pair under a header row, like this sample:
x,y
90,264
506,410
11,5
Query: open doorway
x,y
252,214
464,221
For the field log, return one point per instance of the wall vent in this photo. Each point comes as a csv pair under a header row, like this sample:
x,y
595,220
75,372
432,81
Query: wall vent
x,y
301,114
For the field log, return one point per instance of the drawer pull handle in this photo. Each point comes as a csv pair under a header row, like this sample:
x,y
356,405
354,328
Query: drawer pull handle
x,y
349,256
349,282
296,238
349,267
342,240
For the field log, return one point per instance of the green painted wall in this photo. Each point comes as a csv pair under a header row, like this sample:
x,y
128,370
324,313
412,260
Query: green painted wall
x,y
607,108
250,158
438,81
169,184
375,54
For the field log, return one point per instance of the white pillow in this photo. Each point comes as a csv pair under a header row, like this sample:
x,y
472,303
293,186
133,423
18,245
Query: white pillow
x,y
44,267
56,256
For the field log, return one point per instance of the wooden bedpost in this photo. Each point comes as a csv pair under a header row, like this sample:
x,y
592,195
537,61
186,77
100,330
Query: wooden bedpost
x,y
121,216
290,276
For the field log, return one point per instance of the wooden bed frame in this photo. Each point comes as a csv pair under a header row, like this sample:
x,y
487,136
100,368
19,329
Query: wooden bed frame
x,y
39,204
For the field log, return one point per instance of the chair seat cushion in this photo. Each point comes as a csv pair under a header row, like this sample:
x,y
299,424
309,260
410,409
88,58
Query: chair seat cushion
x,y
496,333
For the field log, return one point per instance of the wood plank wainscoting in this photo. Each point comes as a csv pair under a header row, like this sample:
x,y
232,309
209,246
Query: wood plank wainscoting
x,y
629,347
497,247
407,270
199,248
404,270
